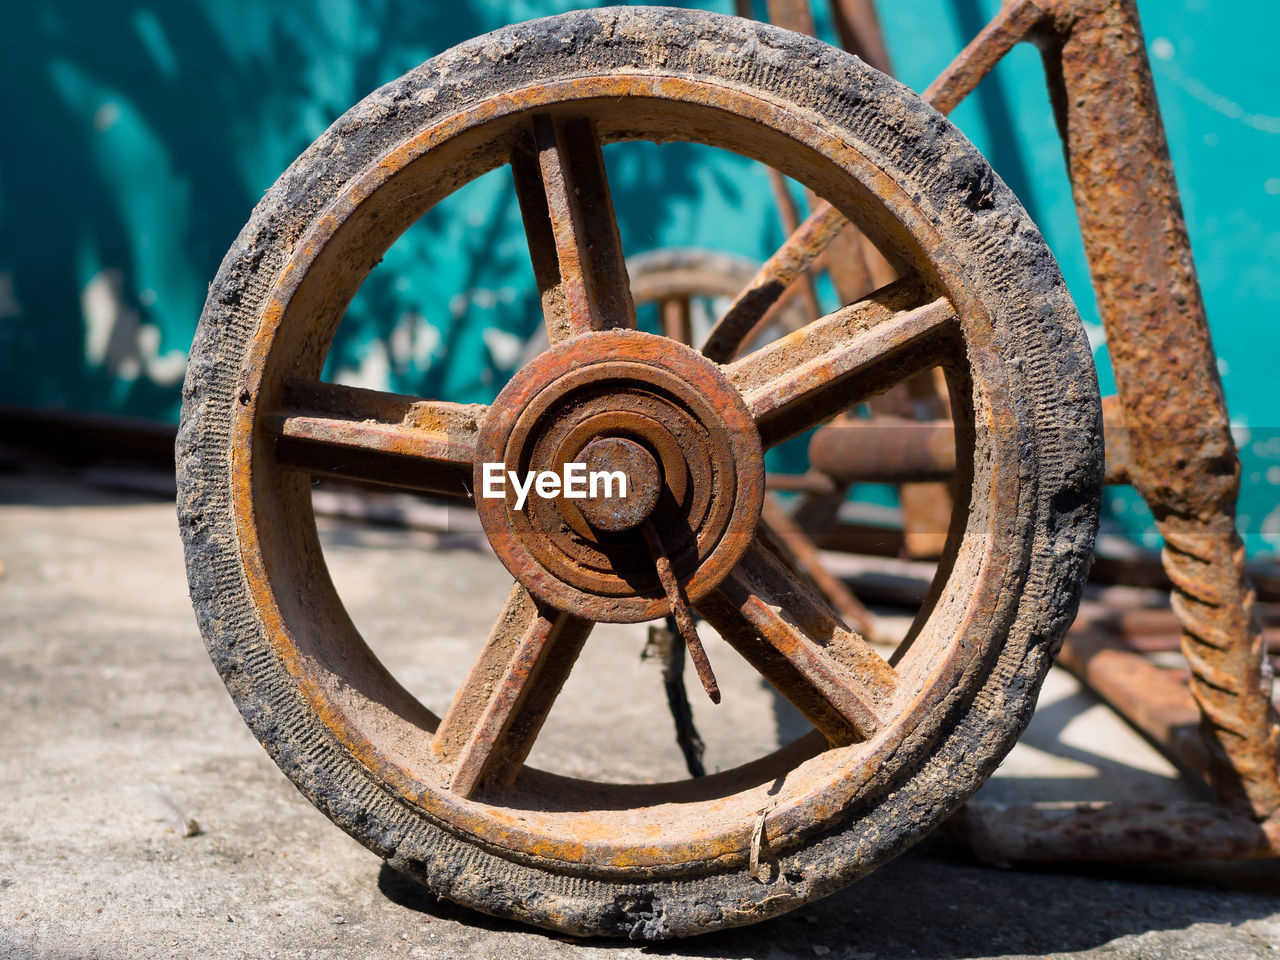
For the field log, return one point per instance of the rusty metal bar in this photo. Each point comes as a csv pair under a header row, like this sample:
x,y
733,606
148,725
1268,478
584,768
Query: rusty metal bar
x,y
1010,26
1037,833
858,26
803,554
680,611
890,449
677,319
815,483
884,450
862,538
1183,459
794,15
1154,700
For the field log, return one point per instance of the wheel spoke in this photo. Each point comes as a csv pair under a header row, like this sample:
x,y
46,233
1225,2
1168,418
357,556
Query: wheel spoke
x,y
572,230
1010,26
777,275
677,319
384,438
785,537
789,634
843,359
495,717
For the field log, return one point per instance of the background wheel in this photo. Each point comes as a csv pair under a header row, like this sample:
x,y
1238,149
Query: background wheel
x,y
688,288
898,743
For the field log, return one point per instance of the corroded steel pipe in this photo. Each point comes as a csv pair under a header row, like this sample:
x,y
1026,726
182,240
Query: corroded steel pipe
x,y
884,450
891,449
1043,832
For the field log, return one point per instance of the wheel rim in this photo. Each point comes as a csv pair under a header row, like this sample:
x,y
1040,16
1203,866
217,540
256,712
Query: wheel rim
x,y
285,423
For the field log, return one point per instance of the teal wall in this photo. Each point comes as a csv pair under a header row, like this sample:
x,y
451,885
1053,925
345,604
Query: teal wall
x,y
138,136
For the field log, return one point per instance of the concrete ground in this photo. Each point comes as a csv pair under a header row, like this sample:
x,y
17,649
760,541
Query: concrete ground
x,y
139,818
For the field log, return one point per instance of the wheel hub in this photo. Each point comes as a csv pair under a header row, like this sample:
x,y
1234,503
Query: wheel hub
x,y
667,420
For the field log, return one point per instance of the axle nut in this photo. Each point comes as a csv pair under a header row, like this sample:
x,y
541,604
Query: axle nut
x,y
642,484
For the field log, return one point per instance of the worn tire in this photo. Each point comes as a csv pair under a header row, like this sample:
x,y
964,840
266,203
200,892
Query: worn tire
x,y
1037,330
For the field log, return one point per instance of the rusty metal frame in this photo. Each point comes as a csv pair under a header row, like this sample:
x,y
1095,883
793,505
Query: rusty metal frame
x,y
1167,435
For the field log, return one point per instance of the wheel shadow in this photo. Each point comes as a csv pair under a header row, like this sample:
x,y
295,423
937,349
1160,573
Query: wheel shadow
x,y
932,903
404,891
936,901
929,903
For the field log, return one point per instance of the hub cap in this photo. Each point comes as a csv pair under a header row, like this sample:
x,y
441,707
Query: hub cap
x,y
665,417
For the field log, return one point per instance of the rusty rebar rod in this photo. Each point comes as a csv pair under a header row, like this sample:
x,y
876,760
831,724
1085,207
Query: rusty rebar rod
x,y
1182,457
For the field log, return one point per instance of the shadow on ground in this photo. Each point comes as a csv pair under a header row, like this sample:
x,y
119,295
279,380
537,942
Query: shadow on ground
x,y
935,904
117,733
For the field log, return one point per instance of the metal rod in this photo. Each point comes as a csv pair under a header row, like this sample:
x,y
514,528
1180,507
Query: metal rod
x,y
1037,833
1009,27
1183,459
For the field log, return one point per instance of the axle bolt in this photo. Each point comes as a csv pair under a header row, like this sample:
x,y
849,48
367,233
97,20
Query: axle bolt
x,y
643,479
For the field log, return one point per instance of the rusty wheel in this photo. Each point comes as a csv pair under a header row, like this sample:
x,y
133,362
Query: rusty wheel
x,y
898,744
